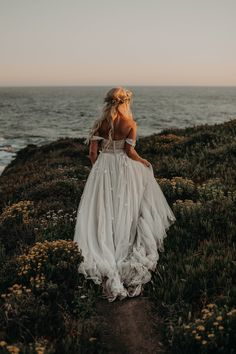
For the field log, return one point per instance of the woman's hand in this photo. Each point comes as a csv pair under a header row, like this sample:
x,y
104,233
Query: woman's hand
x,y
146,162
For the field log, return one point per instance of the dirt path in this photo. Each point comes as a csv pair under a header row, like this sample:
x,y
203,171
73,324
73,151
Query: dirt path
x,y
127,326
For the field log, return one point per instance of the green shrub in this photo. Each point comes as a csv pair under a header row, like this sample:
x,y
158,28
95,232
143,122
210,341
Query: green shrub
x,y
55,225
16,225
214,332
56,262
48,296
178,188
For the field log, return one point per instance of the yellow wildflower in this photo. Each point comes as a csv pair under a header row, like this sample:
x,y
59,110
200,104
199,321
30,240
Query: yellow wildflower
x,y
205,311
200,328
198,337
3,343
13,349
198,320
211,306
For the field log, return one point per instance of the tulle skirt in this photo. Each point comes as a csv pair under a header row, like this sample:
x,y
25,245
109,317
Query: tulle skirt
x,y
121,224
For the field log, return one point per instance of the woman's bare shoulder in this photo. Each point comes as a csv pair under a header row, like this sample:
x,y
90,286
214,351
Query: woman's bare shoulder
x,y
130,122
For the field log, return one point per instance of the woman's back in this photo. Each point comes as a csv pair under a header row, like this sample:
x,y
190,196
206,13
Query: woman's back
x,y
122,128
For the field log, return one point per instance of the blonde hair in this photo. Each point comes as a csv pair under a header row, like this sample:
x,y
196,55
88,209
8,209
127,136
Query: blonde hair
x,y
115,99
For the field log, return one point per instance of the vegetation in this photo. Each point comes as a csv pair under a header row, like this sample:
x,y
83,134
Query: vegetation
x,y
47,307
194,282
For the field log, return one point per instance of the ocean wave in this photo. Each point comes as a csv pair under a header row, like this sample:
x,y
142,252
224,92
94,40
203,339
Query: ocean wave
x,y
8,148
2,167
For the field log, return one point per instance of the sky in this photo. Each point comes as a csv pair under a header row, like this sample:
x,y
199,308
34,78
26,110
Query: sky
x,y
117,42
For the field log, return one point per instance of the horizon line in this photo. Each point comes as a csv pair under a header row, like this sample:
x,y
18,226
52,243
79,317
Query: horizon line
x,y
106,85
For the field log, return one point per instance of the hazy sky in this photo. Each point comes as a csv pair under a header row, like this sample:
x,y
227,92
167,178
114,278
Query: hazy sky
x,y
111,42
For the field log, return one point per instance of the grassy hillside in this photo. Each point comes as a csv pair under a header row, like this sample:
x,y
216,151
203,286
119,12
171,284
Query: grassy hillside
x,y
193,287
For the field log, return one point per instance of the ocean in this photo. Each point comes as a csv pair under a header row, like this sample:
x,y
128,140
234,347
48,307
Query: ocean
x,y
39,115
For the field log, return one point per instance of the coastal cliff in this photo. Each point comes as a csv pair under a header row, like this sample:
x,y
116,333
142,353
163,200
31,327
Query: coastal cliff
x,y
46,304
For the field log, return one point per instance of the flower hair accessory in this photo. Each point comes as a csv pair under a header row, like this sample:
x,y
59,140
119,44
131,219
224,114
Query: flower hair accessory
x,y
114,101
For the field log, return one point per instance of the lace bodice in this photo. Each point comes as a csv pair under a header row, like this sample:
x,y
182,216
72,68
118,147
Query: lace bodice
x,y
114,145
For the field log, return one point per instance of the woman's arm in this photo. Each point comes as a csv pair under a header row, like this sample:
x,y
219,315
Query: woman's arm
x,y
130,150
93,151
93,148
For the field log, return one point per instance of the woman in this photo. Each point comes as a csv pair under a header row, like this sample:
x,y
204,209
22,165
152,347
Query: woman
x,y
123,214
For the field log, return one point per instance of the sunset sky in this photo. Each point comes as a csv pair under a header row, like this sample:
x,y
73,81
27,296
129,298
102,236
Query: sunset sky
x,y
125,42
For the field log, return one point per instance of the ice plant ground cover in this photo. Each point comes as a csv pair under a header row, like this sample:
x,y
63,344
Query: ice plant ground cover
x,y
46,306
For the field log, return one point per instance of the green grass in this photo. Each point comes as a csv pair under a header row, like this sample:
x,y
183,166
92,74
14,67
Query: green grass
x,y
39,195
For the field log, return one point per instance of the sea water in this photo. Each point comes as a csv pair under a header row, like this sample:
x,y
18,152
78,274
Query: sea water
x,y
39,115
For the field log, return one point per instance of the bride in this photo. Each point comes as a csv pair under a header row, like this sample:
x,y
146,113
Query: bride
x,y
123,214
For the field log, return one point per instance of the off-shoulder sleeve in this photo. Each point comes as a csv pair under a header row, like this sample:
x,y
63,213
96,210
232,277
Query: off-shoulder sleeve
x,y
131,141
96,137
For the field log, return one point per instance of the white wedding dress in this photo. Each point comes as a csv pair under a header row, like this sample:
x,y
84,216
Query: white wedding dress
x,y
121,222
